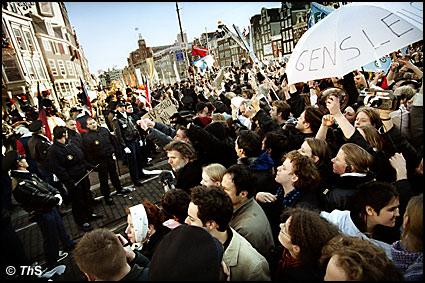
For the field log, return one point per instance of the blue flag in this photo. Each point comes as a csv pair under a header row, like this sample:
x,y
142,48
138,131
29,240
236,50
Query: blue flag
x,y
383,64
318,12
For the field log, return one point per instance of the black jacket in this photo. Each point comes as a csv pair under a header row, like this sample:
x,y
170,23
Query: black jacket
x,y
98,145
189,176
338,195
35,195
75,138
67,162
210,148
125,129
137,273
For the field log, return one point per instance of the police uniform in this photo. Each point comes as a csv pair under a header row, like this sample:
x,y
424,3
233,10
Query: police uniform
x,y
38,198
128,136
68,163
99,149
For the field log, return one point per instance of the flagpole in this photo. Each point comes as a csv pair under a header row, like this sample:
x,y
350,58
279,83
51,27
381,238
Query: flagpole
x,y
182,40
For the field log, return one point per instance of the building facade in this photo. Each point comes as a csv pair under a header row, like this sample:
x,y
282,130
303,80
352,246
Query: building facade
x,y
45,49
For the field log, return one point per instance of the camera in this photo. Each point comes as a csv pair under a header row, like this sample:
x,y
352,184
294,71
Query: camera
x,y
167,179
384,100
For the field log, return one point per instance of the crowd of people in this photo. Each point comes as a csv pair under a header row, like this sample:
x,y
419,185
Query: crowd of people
x,y
313,181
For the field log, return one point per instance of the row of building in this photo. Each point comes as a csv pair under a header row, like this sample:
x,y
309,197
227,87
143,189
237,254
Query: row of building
x,y
40,47
273,34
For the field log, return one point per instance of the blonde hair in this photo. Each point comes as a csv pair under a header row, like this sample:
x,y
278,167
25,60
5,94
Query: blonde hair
x,y
215,171
358,159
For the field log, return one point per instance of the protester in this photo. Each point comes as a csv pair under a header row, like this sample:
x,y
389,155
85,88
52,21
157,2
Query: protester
x,y
101,257
407,254
303,233
174,204
376,203
182,159
145,229
187,253
212,174
248,218
212,209
355,259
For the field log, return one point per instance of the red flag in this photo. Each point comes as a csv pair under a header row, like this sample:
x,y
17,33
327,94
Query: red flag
x,y
85,97
42,113
199,51
148,99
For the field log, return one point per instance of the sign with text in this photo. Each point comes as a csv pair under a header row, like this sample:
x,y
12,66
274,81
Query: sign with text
x,y
179,56
353,36
162,112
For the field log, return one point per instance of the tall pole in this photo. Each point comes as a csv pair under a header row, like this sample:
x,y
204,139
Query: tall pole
x,y
182,38
180,23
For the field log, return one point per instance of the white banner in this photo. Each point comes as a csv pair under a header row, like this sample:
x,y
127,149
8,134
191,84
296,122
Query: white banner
x,y
162,112
353,36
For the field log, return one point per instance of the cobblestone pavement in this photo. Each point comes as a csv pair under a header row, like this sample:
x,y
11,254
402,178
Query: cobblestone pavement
x,y
114,216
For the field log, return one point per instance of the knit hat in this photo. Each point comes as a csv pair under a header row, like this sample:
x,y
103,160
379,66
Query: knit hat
x,y
187,253
140,222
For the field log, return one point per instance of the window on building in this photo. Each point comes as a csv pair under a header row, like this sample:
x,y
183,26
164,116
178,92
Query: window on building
x,y
53,68
61,49
30,42
46,44
49,28
19,39
54,47
70,68
62,67
275,29
39,69
11,68
66,49
30,69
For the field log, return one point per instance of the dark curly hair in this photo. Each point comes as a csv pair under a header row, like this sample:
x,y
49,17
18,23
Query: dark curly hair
x,y
213,204
175,203
304,168
310,232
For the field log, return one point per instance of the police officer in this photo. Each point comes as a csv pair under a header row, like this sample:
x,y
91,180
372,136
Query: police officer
x,y
129,138
67,161
41,200
99,149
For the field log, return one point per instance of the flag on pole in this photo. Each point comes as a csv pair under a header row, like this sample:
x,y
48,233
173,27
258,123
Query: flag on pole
x,y
318,12
204,62
199,51
147,92
176,72
42,116
85,97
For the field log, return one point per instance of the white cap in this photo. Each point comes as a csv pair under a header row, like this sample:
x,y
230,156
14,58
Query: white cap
x,y
140,222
